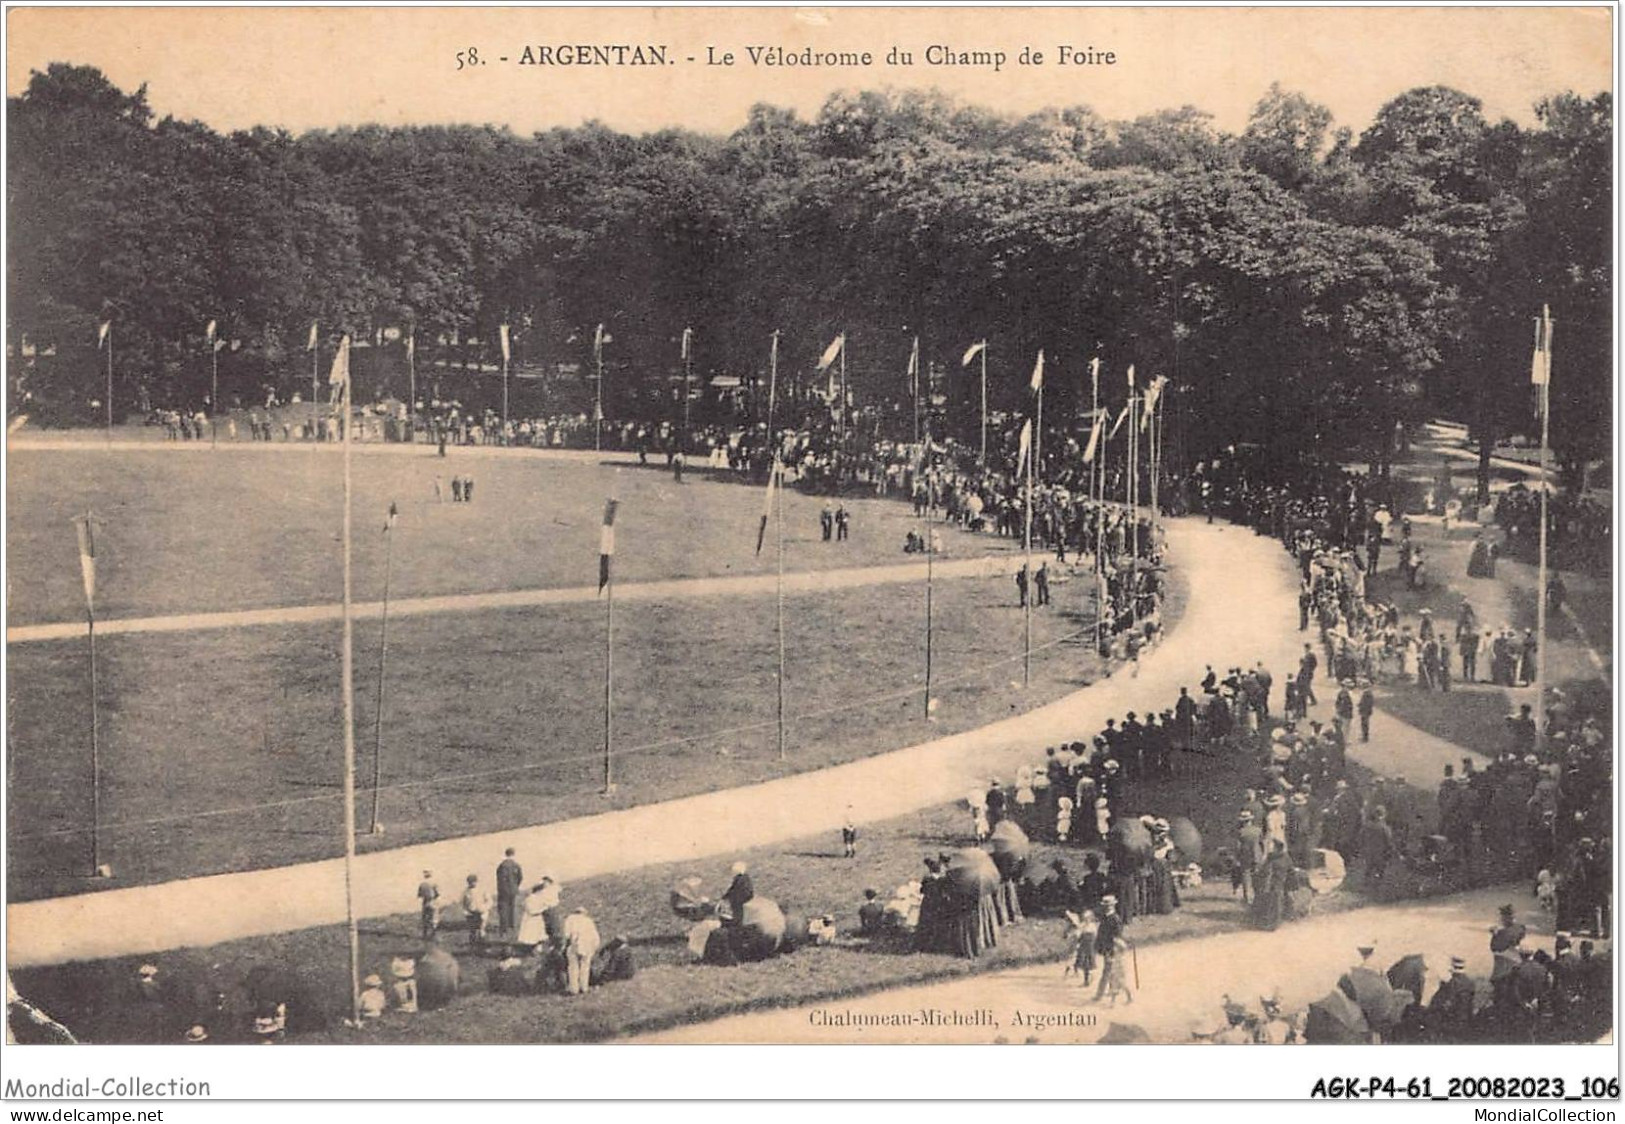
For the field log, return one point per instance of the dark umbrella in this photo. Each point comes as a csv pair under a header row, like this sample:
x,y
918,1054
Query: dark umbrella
x,y
1410,973
1128,844
1379,1002
1183,835
1335,1020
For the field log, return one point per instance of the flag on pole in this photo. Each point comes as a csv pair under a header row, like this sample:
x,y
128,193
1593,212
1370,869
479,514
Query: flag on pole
x,y
310,344
102,333
606,542
340,373
411,344
972,352
1038,374
1131,378
1540,367
87,560
914,369
1094,437
208,332
1152,393
832,352
688,343
1026,447
767,508
1118,424
502,333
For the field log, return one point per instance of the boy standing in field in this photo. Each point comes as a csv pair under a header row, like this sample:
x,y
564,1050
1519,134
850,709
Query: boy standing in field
x,y
476,909
429,900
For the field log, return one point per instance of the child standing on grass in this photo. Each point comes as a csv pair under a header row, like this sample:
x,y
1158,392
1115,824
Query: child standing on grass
x,y
849,838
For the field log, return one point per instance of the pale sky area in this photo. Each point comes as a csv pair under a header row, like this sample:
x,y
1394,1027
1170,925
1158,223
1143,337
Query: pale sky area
x,y
303,68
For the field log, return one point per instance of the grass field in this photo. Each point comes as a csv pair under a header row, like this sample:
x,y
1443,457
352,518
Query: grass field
x,y
806,873
258,526
221,747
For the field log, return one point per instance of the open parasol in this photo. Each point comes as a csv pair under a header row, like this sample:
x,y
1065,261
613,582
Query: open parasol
x,y
1011,849
971,873
1182,834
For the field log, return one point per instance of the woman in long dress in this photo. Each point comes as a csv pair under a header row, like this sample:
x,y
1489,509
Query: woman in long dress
x,y
533,917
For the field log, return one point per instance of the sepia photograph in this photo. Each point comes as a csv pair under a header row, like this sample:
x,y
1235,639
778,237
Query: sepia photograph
x,y
810,526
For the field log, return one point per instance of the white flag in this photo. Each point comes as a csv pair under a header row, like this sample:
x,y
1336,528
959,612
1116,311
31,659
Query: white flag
x,y
310,344
87,560
1152,393
1131,378
914,369
598,338
972,352
1094,437
1026,447
832,352
688,343
1038,374
102,333
502,333
208,333
411,344
340,374
1540,367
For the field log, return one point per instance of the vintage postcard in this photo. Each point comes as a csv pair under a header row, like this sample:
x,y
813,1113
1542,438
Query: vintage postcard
x,y
811,526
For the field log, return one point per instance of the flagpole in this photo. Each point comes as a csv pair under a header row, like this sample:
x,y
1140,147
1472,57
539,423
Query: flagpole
x,y
609,681
347,670
1134,506
930,561
214,395
598,422
843,411
109,379
1545,392
1027,573
1095,463
315,378
608,575
504,387
383,662
778,522
95,712
775,479
688,377
412,377
984,401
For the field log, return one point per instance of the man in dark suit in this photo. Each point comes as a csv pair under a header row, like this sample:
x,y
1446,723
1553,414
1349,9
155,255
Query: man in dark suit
x,y
510,876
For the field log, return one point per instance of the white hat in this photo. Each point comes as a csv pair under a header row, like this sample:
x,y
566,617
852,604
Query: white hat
x,y
739,868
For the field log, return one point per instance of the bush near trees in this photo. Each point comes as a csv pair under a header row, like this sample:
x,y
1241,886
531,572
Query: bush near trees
x,y
1310,286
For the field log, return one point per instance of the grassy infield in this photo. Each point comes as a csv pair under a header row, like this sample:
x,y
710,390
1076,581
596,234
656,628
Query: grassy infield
x,y
202,721
806,873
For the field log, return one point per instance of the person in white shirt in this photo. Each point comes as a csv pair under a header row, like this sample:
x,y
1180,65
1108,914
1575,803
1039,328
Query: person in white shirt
x,y
581,942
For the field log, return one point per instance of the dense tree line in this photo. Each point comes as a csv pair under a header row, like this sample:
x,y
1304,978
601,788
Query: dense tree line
x,y
1311,286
